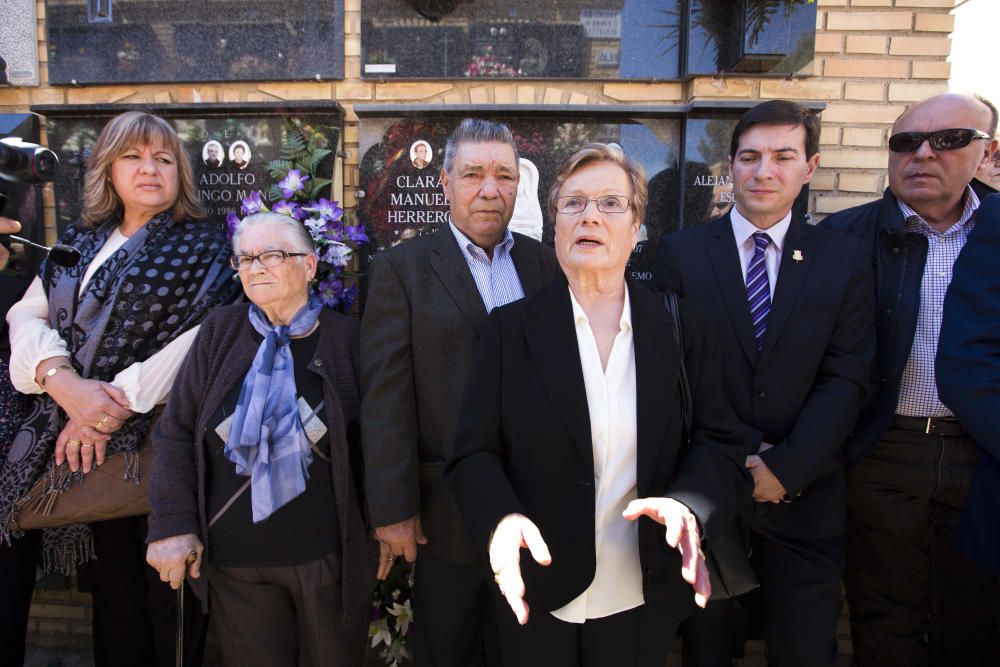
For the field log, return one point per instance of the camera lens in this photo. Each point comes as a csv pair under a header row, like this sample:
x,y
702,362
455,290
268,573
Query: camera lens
x,y
45,164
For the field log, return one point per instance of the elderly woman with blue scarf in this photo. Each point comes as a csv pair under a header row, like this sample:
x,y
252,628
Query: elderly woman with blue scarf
x,y
256,463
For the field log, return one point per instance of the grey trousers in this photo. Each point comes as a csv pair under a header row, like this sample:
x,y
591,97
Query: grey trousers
x,y
289,615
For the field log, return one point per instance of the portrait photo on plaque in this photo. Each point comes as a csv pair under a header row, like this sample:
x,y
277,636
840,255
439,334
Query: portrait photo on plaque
x,y
421,154
239,154
212,154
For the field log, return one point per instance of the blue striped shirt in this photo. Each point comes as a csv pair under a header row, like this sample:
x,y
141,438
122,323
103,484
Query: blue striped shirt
x,y
496,280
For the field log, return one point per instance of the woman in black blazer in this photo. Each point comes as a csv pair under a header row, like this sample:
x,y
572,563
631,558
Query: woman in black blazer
x,y
572,428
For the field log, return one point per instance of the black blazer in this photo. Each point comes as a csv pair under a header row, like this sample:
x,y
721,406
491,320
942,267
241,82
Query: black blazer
x,y
524,442
968,377
804,390
422,321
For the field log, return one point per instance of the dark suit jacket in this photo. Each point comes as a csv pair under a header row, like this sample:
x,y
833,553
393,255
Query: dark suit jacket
x,y
421,325
524,442
803,391
968,377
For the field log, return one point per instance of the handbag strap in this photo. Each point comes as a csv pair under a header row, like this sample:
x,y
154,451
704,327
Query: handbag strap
x,y
687,404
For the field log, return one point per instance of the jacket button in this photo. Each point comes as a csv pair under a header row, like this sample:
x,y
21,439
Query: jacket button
x,y
888,311
760,392
883,380
895,250
317,362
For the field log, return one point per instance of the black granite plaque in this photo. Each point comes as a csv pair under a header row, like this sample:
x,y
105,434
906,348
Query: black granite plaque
x,y
135,41
229,147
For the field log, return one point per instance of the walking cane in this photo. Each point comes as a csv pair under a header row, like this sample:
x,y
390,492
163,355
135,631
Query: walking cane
x,y
179,651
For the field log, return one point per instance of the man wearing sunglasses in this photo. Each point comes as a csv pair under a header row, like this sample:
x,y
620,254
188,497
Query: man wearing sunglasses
x,y
913,599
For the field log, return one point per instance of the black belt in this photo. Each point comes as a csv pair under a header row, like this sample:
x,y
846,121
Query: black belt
x,y
929,425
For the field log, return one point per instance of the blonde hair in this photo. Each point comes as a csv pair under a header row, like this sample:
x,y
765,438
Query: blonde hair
x,y
123,132
594,153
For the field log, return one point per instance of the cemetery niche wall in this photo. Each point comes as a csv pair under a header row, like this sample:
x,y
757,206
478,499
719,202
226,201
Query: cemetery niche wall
x,y
585,39
684,151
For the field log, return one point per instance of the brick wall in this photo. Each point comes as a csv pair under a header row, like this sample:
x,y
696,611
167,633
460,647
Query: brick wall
x,y
873,58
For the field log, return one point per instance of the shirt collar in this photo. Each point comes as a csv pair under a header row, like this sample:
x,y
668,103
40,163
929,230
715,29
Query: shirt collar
x,y
916,223
743,229
580,317
471,249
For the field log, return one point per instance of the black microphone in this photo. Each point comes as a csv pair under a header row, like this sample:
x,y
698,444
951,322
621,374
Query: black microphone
x,y
63,255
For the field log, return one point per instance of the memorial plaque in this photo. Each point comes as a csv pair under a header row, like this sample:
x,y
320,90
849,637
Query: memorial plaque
x,y
137,41
19,43
229,147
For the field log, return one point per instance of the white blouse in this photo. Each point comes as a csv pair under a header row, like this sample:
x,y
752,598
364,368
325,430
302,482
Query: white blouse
x,y
32,341
611,400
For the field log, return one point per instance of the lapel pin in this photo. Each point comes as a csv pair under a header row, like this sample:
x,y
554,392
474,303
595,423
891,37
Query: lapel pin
x,y
797,255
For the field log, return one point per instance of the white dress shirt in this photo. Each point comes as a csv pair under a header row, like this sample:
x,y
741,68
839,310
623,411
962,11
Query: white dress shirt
x,y
496,279
146,383
611,401
744,230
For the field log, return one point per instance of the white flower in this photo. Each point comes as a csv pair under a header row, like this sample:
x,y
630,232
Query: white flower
x,y
379,632
404,616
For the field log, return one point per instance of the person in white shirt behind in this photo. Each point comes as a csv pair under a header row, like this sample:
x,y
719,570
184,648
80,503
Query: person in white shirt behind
x,y
97,346
574,402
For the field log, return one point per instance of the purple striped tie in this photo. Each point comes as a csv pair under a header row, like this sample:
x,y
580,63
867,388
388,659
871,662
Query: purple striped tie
x,y
758,290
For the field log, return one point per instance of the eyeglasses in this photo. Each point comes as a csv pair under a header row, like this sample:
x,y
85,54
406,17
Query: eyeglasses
x,y
266,259
607,204
942,140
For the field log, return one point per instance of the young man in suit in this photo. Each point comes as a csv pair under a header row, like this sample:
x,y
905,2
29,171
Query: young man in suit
x,y
793,305
913,599
428,301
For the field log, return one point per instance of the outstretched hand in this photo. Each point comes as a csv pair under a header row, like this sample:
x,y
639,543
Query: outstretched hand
x,y
682,534
514,532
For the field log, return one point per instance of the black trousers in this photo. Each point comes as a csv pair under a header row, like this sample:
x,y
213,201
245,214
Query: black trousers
x,y
17,583
135,614
456,626
801,599
640,637
914,600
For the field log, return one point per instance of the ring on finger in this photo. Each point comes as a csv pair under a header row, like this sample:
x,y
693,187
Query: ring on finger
x,y
87,445
73,443
104,419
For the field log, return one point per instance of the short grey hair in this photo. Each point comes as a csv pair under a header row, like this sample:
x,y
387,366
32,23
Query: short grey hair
x,y
299,237
479,131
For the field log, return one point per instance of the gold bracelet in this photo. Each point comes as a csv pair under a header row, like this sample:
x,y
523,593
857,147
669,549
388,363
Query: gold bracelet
x,y
52,371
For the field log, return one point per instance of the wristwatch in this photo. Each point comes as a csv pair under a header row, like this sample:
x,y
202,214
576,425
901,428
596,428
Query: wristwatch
x,y
52,371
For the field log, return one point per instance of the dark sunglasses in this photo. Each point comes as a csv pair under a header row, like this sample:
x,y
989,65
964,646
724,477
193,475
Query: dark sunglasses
x,y
942,140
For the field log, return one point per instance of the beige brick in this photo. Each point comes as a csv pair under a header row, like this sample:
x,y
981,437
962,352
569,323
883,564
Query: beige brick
x,y
163,97
409,91
47,96
644,92
871,3
552,96
862,113
57,611
230,95
914,92
834,203
579,98
811,89
479,95
504,94
866,44
850,182
296,91
866,21
831,3
866,68
822,179
352,5
925,3
931,69
454,97
257,97
352,45
349,114
855,159
864,91
920,46
40,10
934,22
98,94
863,136
209,94
525,94
829,135
350,134
721,87
352,24
827,42
354,90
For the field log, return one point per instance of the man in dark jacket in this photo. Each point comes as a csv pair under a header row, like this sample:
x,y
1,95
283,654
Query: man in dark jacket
x,y
913,599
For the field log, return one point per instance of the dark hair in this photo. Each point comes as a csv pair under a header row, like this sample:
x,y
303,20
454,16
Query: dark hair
x,y
778,112
478,131
992,129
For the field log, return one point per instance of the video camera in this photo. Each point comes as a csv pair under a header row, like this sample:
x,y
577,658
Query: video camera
x,y
24,162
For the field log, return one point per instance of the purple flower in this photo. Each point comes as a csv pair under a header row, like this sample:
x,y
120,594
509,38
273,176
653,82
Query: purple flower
x,y
347,298
330,292
292,183
329,210
253,204
356,233
291,209
232,222
334,253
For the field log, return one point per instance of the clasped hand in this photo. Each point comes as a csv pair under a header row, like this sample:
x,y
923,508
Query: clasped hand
x,y
766,487
175,557
398,539
96,410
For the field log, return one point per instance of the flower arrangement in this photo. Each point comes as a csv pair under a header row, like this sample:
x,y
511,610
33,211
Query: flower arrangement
x,y
487,64
392,615
298,193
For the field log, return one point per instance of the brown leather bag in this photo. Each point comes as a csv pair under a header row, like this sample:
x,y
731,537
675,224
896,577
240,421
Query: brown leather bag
x,y
104,493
